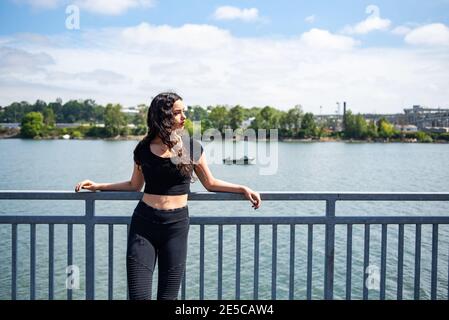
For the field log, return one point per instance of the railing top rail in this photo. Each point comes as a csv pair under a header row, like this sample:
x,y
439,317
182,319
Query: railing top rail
x,y
232,220
212,196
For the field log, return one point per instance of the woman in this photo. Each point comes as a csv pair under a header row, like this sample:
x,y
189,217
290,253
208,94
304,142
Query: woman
x,y
164,161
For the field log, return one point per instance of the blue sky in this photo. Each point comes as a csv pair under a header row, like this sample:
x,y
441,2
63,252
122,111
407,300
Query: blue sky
x,y
379,56
283,17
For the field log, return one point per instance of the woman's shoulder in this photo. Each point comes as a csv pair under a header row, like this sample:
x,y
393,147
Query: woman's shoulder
x,y
139,151
140,146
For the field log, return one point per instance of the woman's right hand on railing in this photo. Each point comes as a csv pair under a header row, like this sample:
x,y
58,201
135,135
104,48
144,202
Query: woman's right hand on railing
x,y
87,184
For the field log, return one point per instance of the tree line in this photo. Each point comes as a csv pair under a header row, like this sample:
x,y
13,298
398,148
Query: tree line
x,y
39,119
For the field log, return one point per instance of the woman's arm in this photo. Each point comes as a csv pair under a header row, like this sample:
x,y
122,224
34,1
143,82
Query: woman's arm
x,y
119,186
135,184
224,186
216,185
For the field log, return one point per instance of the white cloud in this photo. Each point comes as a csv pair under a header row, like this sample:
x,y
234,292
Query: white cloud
x,y
106,7
208,65
206,37
401,30
19,61
435,34
234,13
323,39
41,4
310,19
372,23
112,7
100,76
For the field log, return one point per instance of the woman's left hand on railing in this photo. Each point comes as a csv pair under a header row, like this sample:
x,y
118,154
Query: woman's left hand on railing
x,y
87,184
252,196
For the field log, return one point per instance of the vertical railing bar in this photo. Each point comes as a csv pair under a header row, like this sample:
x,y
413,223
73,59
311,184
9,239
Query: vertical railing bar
x,y
51,262
183,284
33,261
417,262
291,295
256,262
14,262
69,255
202,262
349,262
111,262
400,261
90,249
383,262
237,265
366,260
274,262
434,272
329,251
220,261
127,234
309,260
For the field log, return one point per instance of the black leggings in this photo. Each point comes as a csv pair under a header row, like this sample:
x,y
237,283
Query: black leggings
x,y
161,235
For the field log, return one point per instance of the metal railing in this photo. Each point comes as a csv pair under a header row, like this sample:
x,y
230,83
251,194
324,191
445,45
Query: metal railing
x,y
329,220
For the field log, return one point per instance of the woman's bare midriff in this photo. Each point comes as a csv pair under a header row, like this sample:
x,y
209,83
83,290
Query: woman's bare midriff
x,y
165,202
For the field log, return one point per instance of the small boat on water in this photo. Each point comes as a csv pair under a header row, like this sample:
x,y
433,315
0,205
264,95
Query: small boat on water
x,y
242,160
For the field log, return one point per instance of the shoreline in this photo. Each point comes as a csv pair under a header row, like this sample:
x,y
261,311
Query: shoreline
x,y
293,140
116,138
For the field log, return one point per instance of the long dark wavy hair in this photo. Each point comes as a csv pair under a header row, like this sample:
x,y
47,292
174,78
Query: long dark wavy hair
x,y
160,122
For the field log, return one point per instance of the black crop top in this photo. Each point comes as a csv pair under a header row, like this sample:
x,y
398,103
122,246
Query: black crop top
x,y
162,177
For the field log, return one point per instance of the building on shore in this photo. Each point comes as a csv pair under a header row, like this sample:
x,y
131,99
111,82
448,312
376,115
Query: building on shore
x,y
406,128
423,117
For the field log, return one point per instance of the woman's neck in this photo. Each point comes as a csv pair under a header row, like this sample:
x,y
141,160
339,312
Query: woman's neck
x,y
156,140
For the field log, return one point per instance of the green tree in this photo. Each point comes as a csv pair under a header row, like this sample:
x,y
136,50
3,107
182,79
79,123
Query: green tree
x,y
140,118
39,106
308,124
290,121
49,117
98,114
321,130
16,111
284,125
268,118
386,129
355,126
200,114
32,125
196,113
124,130
251,112
71,111
349,120
76,134
114,120
218,117
57,110
205,124
361,128
423,137
236,117
372,130
88,111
